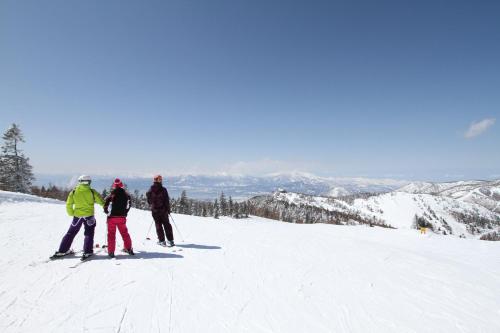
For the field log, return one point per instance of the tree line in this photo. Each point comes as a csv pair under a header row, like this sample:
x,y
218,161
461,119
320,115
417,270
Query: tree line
x,y
221,206
269,207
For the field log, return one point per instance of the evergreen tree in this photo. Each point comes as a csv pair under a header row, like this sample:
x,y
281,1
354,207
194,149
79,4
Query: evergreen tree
x,y
230,207
173,205
236,210
216,209
143,202
210,208
135,198
183,203
223,204
15,170
246,209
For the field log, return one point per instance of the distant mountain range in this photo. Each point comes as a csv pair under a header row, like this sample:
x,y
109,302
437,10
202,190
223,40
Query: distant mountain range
x,y
484,193
241,187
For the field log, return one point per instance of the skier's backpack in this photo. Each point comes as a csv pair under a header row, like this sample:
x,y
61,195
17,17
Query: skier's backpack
x,y
91,191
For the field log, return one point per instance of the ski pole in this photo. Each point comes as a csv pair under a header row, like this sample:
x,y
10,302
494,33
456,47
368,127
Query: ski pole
x,y
105,241
147,236
175,225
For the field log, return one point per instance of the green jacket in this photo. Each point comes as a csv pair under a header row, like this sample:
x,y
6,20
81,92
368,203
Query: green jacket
x,y
80,202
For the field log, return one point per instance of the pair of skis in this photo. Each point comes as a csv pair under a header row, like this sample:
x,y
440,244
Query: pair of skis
x,y
84,258
70,253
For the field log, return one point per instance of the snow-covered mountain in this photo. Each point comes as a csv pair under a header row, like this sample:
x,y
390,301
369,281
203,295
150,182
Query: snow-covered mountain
x,y
248,186
251,275
484,193
242,187
338,192
446,215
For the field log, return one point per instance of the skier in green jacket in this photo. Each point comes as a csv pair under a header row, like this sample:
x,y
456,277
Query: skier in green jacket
x,y
80,205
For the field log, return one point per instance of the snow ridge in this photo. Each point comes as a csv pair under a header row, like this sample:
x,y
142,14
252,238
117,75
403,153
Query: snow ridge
x,y
484,193
444,215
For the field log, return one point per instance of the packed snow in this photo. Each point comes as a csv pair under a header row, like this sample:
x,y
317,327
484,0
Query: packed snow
x,y
249,275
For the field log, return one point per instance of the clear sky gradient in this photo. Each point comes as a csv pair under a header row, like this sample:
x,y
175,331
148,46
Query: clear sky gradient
x,y
339,88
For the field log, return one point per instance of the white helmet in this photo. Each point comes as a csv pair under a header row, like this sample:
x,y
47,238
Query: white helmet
x,y
84,179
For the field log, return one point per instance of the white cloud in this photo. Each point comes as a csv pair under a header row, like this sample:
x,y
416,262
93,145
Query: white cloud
x,y
478,128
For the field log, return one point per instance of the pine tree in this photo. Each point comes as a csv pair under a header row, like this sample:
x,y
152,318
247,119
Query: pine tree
x,y
216,209
143,202
191,207
230,206
15,170
246,209
135,198
183,203
236,210
223,204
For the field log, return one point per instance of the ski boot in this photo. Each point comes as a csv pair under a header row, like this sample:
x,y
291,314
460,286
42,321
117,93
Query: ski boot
x,y
85,256
58,254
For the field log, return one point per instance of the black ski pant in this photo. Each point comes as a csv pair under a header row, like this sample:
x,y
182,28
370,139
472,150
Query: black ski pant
x,y
162,223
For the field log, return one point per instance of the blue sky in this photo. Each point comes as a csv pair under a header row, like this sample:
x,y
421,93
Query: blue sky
x,y
340,88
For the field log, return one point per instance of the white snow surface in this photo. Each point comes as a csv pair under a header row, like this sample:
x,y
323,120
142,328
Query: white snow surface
x,y
251,275
398,209
484,193
338,192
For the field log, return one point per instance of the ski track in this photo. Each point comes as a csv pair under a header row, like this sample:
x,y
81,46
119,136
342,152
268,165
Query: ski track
x,y
122,318
171,301
246,276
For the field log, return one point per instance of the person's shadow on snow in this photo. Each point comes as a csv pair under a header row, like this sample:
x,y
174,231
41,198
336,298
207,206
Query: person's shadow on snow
x,y
139,255
199,247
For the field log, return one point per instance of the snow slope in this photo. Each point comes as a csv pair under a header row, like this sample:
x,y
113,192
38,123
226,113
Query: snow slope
x,y
338,192
484,193
252,275
398,209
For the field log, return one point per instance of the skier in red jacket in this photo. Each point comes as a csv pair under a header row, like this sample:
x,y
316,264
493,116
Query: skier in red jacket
x,y
120,205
